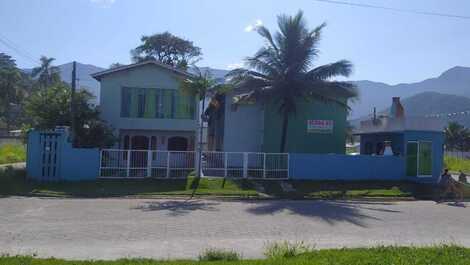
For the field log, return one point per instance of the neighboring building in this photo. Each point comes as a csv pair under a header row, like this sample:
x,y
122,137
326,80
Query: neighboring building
x,y
143,102
417,140
317,127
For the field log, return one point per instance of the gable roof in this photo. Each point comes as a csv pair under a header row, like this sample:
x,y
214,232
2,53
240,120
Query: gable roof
x,y
100,74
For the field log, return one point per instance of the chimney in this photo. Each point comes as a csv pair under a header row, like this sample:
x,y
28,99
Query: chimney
x,y
397,110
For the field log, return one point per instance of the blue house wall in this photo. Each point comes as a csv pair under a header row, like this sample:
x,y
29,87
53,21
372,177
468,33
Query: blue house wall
x,y
346,167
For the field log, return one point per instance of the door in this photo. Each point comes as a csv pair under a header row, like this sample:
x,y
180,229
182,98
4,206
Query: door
x,y
425,159
139,156
50,156
419,159
177,143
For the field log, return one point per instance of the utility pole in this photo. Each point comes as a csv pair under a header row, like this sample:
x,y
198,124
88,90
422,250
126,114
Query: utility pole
x,y
201,131
72,102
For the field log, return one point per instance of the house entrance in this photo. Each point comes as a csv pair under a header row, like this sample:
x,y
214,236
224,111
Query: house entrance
x,y
140,142
419,159
138,156
177,143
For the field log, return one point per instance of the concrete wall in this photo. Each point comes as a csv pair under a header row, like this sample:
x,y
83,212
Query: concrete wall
x,y
145,76
299,140
243,127
73,164
345,167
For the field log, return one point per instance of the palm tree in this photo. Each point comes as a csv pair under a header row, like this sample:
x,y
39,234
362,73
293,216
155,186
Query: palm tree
x,y
280,72
456,136
46,73
202,85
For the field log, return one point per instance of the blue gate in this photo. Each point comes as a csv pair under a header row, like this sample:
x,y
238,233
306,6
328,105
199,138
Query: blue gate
x,y
50,155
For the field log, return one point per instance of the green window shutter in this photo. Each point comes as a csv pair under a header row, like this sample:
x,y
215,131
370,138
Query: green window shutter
x,y
141,103
180,105
150,103
134,99
159,102
166,103
173,104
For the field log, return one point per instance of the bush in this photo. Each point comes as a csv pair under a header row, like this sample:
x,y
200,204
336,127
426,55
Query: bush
x,y
12,153
285,249
457,164
213,254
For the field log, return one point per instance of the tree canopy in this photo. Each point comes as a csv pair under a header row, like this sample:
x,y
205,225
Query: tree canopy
x,y
281,71
168,49
50,107
457,137
46,73
14,87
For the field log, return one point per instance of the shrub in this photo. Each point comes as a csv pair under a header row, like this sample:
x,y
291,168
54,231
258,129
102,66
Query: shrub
x,y
12,153
286,249
213,254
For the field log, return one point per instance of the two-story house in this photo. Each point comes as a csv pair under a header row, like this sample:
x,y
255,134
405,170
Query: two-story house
x,y
143,102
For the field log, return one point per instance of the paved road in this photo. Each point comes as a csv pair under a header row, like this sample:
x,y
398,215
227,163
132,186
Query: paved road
x,y
19,165
113,228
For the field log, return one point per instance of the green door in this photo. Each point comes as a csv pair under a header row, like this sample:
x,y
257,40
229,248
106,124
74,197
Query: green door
x,y
412,159
425,159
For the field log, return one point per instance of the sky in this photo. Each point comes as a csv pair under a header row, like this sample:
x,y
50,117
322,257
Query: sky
x,y
387,46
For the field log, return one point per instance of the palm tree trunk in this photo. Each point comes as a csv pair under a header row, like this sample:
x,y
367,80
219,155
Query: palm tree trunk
x,y
199,150
285,123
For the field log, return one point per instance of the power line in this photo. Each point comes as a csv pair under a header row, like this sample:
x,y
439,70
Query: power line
x,y
419,12
19,51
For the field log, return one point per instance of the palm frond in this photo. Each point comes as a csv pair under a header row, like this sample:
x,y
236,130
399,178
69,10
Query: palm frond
x,y
327,71
264,32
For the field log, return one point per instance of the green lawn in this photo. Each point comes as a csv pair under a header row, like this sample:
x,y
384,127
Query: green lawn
x,y
12,153
14,183
455,164
442,255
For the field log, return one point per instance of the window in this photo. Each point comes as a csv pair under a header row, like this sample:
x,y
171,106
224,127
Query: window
x,y
156,103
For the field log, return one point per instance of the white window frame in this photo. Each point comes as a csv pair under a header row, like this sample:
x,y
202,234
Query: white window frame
x,y
432,161
417,158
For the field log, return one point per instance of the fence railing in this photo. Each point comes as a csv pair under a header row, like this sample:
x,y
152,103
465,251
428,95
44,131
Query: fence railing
x,y
457,154
116,163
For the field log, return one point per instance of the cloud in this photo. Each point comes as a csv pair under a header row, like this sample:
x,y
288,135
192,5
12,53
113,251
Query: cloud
x,y
103,3
234,66
254,26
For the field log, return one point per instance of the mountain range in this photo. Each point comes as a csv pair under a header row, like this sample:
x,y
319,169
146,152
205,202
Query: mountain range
x,y
447,93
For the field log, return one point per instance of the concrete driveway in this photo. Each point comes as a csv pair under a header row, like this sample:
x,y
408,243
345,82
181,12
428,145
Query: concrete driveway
x,y
114,228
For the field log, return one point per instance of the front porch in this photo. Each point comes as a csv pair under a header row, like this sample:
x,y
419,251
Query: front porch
x,y
156,140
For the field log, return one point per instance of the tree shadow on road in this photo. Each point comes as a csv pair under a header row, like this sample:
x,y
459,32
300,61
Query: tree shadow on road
x,y
331,212
178,207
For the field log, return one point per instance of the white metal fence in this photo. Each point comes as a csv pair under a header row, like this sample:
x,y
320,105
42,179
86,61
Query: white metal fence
x,y
457,154
117,163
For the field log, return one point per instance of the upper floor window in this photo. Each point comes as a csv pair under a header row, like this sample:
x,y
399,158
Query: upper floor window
x,y
156,103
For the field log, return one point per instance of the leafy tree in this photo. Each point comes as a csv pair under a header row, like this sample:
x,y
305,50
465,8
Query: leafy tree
x,y
168,49
46,73
6,61
14,86
115,65
90,131
280,72
457,137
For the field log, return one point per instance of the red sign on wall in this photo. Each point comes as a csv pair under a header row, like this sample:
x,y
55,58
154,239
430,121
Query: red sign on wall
x,y
320,126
